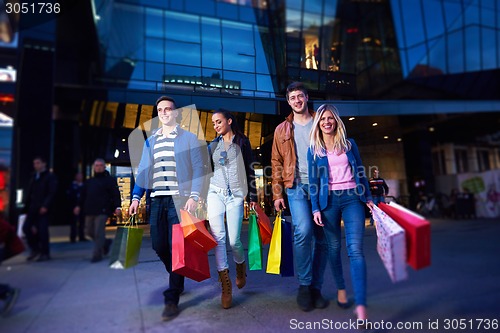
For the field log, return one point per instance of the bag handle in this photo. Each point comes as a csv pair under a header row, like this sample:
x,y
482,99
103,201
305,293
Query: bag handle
x,y
132,222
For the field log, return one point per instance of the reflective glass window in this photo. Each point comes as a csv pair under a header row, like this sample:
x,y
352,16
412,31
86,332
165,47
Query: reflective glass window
x,y
182,70
211,43
154,71
154,49
488,15
138,73
437,56
261,37
330,8
472,49
264,83
154,23
227,10
294,4
312,47
412,19
314,6
206,7
182,27
472,14
433,18
182,53
456,52
416,55
293,20
489,52
453,14
238,47
245,80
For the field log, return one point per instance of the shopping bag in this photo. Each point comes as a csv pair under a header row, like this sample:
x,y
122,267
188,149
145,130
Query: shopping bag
x,y
286,264
391,245
274,255
13,244
188,259
254,244
126,245
265,228
20,224
417,234
195,232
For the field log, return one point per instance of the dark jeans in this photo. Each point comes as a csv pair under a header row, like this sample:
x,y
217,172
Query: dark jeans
x,y
163,215
38,239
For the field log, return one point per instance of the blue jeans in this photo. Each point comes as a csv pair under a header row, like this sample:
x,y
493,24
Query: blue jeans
x,y
346,205
376,200
163,215
231,206
306,248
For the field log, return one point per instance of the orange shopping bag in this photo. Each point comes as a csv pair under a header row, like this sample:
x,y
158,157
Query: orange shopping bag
x,y
195,232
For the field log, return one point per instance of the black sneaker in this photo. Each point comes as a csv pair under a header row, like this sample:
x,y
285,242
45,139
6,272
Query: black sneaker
x,y
33,256
95,259
43,257
318,301
10,300
304,300
170,311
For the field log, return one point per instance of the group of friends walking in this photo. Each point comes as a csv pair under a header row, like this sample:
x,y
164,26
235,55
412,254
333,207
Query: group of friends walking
x,y
317,174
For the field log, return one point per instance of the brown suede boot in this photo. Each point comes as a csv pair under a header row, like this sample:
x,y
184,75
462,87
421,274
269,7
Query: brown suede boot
x,y
227,289
241,275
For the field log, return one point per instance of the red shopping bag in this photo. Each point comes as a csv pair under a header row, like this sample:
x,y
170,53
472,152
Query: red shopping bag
x,y
417,231
195,232
264,223
187,259
13,244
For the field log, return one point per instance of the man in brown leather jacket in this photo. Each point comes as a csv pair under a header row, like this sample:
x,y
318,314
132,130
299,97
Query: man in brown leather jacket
x,y
290,174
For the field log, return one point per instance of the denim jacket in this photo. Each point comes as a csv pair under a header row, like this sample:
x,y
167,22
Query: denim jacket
x,y
249,161
318,177
190,167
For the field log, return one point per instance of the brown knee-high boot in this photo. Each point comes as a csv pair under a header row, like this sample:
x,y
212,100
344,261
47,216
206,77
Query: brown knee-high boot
x,y
227,289
241,275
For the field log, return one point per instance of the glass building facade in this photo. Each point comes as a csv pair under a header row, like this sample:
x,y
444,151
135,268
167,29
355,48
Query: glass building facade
x,y
408,66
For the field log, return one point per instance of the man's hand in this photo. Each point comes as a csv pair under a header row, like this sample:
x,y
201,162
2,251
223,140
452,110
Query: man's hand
x,y
133,207
76,210
190,205
278,203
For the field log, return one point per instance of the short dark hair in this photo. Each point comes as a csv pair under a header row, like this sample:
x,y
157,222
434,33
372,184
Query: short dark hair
x,y
40,158
165,98
295,86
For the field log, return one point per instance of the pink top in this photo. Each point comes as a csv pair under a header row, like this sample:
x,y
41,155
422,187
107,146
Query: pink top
x,y
340,173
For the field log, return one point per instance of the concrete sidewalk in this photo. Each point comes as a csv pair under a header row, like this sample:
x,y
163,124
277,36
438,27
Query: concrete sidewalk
x,y
69,294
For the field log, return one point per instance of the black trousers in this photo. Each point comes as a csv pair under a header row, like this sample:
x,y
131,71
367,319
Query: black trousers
x,y
164,214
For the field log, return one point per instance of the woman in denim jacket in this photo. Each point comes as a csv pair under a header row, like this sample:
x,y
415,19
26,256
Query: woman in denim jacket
x,y
339,189
233,179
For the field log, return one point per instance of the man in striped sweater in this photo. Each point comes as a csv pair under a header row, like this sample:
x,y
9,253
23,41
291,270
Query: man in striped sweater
x,y
172,171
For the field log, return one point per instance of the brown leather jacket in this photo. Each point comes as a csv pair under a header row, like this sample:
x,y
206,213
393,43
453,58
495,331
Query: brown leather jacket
x,y
283,157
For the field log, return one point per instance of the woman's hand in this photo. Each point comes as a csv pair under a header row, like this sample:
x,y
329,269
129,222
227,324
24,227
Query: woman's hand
x,y
370,204
317,219
252,204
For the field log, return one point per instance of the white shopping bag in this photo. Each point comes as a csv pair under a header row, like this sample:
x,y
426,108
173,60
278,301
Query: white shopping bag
x,y
20,224
391,245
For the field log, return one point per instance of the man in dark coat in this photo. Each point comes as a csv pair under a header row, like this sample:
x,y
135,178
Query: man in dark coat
x,y
99,199
38,204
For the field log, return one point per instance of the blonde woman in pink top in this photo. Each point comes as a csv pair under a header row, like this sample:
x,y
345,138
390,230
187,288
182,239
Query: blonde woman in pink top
x,y
339,190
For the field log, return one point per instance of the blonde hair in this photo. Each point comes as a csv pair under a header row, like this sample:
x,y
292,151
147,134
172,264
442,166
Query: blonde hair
x,y
316,141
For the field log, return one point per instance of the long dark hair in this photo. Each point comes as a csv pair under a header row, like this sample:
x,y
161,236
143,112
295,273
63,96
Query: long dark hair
x,y
239,136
